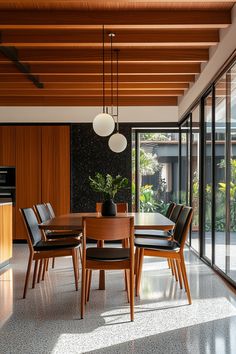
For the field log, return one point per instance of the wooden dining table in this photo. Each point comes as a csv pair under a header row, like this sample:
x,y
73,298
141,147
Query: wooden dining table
x,y
73,221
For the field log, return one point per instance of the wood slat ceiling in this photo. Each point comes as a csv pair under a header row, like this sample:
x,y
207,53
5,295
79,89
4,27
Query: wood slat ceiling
x,y
162,45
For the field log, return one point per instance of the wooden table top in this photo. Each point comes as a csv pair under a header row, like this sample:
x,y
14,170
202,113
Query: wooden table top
x,y
73,221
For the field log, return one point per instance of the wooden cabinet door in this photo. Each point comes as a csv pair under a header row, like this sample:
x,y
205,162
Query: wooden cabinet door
x,y
5,232
56,167
7,146
28,172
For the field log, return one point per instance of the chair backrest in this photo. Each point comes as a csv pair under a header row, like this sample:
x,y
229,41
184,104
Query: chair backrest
x,y
31,223
108,228
176,212
170,209
51,211
182,225
120,207
42,212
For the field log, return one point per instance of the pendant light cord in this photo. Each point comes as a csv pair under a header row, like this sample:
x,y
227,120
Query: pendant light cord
x,y
103,67
111,36
117,89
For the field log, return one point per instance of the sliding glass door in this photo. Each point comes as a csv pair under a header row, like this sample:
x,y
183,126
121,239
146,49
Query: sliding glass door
x,y
195,178
220,174
155,162
208,177
231,106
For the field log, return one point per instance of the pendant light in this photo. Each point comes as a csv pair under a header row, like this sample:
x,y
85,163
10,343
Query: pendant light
x,y
103,123
117,142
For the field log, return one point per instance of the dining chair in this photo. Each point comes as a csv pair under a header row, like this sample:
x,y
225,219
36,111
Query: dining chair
x,y
43,214
120,207
170,249
108,258
51,210
173,215
41,249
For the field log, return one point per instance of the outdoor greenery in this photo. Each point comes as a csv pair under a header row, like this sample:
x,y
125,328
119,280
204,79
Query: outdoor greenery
x,y
150,200
220,200
108,185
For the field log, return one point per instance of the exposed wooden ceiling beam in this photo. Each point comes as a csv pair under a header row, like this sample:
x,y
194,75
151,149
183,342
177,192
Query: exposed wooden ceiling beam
x,y
95,86
97,78
160,19
86,93
124,38
95,55
129,68
85,101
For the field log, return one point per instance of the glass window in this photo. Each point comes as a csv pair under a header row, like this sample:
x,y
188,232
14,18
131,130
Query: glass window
x,y
208,177
220,173
232,182
195,166
157,170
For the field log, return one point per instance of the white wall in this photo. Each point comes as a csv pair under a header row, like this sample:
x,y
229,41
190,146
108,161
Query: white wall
x,y
218,56
145,114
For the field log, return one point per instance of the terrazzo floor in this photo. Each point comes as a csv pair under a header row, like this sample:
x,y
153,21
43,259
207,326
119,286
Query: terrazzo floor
x,y
48,320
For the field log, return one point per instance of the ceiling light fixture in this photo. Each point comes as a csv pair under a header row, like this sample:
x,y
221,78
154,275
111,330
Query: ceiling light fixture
x,y
103,123
117,142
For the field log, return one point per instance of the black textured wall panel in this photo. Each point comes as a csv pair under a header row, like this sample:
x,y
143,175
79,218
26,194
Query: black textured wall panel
x,y
90,154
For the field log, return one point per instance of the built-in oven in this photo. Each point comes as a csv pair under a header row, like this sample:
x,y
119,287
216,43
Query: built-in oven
x,y
7,183
7,177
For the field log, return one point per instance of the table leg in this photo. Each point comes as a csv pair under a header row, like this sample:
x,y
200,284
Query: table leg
x,y
102,282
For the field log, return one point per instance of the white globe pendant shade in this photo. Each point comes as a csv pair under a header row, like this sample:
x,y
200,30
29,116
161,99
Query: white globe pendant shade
x,y
103,124
117,142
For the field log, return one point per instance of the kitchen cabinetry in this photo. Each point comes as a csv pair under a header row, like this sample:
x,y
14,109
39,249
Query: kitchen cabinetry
x,y
5,233
41,155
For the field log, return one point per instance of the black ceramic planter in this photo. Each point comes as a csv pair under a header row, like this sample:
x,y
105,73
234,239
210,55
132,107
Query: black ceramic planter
x,y
108,208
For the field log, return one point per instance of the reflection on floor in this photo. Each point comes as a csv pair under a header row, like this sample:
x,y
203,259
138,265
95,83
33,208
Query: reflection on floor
x,y
48,321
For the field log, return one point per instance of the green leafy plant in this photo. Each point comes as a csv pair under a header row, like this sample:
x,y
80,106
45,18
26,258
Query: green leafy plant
x,y
108,185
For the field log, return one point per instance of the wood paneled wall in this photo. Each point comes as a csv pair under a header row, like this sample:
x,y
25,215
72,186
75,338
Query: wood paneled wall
x,y
56,167
28,172
7,146
41,155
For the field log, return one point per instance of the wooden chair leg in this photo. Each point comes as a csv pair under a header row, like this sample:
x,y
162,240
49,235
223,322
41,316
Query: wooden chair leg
x,y
179,274
82,292
132,293
44,268
185,279
75,265
168,261
27,275
40,270
47,265
125,274
53,263
175,270
136,260
138,276
171,267
128,284
35,273
80,254
86,285
89,284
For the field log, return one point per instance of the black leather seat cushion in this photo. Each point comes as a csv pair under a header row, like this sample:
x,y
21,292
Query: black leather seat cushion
x,y
156,244
107,254
51,235
152,233
57,244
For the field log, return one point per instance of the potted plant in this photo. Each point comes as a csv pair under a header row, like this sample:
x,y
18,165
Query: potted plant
x,y
108,186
